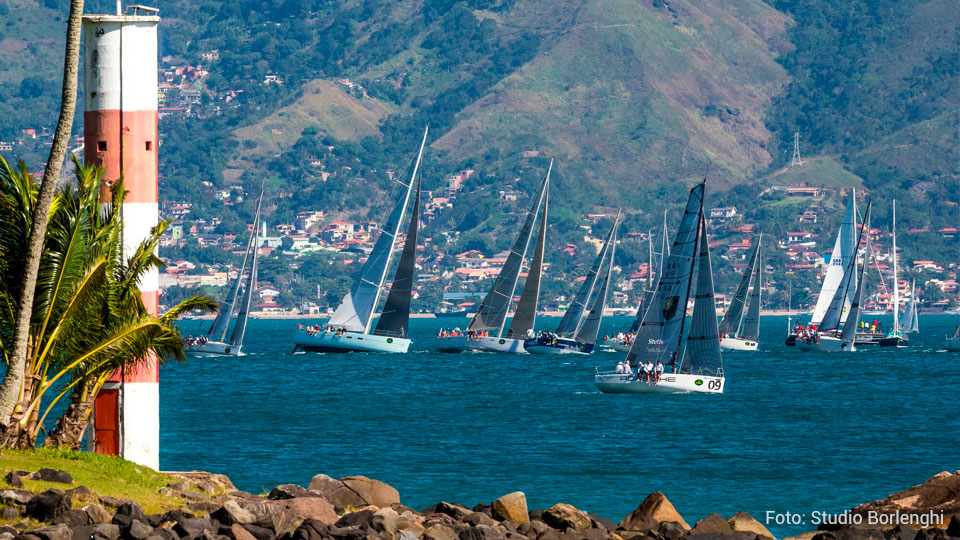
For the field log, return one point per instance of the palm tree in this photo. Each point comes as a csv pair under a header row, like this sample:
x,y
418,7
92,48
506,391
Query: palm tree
x,y
88,318
17,358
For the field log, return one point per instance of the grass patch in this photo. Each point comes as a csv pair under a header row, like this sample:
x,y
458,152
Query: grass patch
x,y
104,475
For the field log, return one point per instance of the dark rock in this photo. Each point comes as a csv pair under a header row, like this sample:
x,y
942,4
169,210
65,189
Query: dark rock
x,y
850,533
79,490
82,533
176,516
260,533
15,496
193,527
479,518
601,522
289,491
455,511
163,534
73,518
549,534
122,520
115,502
953,526
482,532
564,516
824,536
131,509
729,536
154,520
203,506
231,513
904,532
535,515
712,524
109,531
362,519
48,505
310,529
483,508
347,533
138,530
671,530
401,508
52,475
596,534
195,496
13,479
56,532
9,513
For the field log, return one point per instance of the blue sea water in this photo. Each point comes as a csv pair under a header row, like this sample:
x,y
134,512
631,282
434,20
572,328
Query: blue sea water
x,y
792,432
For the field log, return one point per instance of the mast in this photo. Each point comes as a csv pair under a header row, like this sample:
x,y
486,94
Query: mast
x,y
525,317
896,292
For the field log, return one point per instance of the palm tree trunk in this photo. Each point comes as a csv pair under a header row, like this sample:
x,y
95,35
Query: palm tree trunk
x,y
12,383
72,424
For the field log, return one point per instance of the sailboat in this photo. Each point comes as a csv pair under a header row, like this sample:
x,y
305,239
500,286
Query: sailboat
x,y
351,326
834,334
622,341
843,250
953,343
215,342
739,330
579,327
698,367
895,337
910,322
486,329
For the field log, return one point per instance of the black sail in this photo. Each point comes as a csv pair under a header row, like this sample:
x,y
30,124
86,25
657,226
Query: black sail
x,y
240,328
395,318
588,331
525,317
730,325
751,322
702,355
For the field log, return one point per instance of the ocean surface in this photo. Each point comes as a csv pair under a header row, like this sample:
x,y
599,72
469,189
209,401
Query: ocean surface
x,y
793,431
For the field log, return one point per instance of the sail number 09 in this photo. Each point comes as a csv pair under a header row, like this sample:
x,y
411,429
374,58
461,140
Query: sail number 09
x,y
714,384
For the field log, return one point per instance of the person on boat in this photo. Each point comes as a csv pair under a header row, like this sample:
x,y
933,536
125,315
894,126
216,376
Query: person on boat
x,y
658,371
619,368
628,366
649,368
641,371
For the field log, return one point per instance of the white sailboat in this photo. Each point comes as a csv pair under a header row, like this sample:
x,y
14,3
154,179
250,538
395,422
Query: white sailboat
x,y
844,249
910,322
215,342
835,334
486,330
895,337
660,336
739,330
351,326
579,327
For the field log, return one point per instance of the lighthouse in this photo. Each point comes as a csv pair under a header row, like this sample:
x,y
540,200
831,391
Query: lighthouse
x,y
120,136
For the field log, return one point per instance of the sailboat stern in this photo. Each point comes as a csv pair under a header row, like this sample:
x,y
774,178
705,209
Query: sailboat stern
x,y
670,383
333,342
737,344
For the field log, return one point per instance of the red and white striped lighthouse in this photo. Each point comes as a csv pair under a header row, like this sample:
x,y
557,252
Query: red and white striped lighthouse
x,y
120,135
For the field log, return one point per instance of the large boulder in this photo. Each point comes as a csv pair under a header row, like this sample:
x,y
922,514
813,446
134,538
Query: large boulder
x,y
109,531
354,491
712,524
239,533
658,507
15,496
511,507
48,505
940,495
564,516
439,531
56,532
52,475
317,507
231,513
744,522
290,491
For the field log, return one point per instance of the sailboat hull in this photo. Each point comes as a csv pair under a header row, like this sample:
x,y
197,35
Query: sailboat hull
x,y
737,344
670,383
893,341
826,344
486,344
213,348
560,346
349,342
617,345
952,344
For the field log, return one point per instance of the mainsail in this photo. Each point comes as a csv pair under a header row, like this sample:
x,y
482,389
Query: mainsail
x,y
218,331
240,328
843,250
853,320
702,355
395,317
658,338
356,309
838,311
492,312
730,325
574,315
751,323
910,322
588,331
525,317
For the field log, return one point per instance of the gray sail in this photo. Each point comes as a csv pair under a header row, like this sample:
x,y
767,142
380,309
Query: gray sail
x,y
396,312
702,355
909,323
240,328
853,319
838,311
218,331
574,315
658,338
730,325
525,317
647,296
492,312
751,323
356,309
588,331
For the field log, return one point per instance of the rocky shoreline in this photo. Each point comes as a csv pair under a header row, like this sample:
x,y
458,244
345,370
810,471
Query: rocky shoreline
x,y
361,508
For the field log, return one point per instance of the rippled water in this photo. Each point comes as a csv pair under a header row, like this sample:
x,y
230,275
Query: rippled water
x,y
793,432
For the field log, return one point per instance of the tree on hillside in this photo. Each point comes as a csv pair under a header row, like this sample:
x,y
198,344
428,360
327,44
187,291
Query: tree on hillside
x,y
17,358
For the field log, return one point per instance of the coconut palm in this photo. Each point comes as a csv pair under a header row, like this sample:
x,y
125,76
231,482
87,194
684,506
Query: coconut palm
x,y
88,318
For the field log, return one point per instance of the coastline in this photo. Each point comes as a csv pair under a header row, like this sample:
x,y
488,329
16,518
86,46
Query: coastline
x,y
616,313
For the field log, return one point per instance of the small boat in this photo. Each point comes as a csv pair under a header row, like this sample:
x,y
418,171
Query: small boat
x,y
215,342
953,343
697,367
579,327
834,335
836,278
486,330
350,328
895,337
739,330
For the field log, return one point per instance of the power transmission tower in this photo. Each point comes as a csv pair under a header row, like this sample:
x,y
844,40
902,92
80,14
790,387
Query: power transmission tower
x,y
796,150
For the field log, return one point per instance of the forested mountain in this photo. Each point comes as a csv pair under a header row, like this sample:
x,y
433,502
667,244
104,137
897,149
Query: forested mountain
x,y
634,98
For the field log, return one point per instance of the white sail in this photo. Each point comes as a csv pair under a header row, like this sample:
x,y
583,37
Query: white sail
x,y
843,249
355,311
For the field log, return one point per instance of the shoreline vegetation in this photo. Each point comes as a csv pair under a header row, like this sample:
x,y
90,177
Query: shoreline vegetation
x,y
67,495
